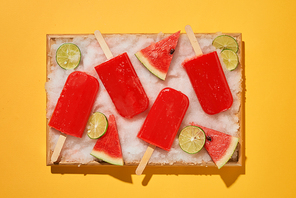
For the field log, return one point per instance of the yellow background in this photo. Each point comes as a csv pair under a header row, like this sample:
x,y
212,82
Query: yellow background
x,y
268,29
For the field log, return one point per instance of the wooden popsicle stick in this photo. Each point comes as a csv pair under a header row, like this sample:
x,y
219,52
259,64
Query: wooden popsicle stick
x,y
103,44
193,40
145,159
58,148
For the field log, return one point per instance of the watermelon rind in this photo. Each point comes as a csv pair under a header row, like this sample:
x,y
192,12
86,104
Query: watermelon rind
x,y
152,69
103,156
228,153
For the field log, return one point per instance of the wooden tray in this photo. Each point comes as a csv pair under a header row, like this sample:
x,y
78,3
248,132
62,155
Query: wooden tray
x,y
51,39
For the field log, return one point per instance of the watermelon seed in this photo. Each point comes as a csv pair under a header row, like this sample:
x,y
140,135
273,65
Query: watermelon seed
x,y
209,138
172,51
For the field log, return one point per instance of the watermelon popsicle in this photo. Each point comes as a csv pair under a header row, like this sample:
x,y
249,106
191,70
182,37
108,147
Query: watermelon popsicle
x,y
208,79
121,82
162,123
73,108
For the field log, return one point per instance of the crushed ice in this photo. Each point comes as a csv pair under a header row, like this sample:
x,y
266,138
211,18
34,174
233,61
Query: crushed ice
x,y
78,149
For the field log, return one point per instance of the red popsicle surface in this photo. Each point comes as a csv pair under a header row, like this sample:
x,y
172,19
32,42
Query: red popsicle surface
x,y
123,85
75,103
164,118
209,83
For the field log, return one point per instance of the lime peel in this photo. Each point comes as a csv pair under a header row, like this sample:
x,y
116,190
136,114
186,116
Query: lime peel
x,y
225,42
192,139
97,125
230,59
68,56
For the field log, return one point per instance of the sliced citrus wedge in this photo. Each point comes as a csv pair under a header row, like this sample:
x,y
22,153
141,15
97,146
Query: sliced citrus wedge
x,y
192,139
97,125
230,59
68,56
225,42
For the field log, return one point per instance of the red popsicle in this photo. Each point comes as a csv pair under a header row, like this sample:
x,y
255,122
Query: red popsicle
x,y
121,82
207,78
163,121
74,106
123,85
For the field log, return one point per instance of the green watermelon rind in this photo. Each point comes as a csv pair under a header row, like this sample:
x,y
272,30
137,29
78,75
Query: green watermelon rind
x,y
105,157
229,152
150,67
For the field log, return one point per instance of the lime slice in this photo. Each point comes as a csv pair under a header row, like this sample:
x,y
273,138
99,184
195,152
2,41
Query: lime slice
x,y
225,42
230,59
192,139
97,125
68,56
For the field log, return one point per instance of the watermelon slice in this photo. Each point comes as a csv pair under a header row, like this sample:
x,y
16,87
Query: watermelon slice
x,y
158,56
220,146
107,147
